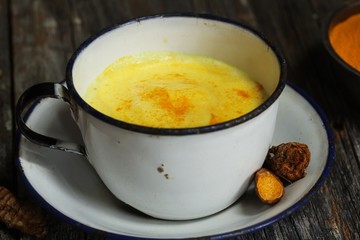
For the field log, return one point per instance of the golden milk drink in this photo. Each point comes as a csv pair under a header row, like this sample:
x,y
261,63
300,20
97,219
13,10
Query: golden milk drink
x,y
173,90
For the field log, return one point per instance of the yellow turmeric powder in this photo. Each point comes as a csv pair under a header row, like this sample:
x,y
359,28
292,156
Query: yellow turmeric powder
x,y
345,39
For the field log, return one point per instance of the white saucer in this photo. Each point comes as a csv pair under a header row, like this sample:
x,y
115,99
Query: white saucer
x,y
67,185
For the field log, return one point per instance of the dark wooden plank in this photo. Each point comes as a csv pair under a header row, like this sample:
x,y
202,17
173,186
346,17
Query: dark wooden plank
x,y
106,13
6,121
89,17
7,176
232,9
41,45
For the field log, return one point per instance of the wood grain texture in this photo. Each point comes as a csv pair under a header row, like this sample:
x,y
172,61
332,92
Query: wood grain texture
x,y
7,173
41,46
6,103
37,38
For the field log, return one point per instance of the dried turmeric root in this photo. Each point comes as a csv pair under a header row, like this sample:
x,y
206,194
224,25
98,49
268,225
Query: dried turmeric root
x,y
288,160
20,216
268,186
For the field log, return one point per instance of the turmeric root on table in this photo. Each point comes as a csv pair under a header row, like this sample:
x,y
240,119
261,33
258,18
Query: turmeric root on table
x,y
288,160
268,186
20,215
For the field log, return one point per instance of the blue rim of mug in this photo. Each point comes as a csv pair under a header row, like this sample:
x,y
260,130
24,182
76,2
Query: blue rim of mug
x,y
176,131
231,234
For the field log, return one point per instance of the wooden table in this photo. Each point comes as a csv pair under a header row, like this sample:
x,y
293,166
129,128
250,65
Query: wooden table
x,y
37,37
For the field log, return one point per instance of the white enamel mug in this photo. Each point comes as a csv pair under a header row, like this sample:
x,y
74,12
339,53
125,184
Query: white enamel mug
x,y
172,174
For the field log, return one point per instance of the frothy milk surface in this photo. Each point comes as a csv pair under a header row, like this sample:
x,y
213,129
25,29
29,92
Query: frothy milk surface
x,y
173,90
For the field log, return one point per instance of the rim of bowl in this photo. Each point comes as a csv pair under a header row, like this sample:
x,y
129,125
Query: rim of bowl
x,y
338,15
176,131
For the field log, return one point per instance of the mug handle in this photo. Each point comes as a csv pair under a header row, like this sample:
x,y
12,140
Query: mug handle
x,y
38,92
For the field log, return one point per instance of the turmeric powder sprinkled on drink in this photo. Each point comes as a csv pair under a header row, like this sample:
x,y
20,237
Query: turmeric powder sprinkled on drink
x,y
345,39
174,90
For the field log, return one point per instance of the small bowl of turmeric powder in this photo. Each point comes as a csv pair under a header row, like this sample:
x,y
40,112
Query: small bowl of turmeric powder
x,y
341,37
